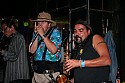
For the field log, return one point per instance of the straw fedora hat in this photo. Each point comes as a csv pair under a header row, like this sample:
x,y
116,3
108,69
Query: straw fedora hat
x,y
44,16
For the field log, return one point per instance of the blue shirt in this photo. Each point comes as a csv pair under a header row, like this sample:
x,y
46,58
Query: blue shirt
x,y
57,39
112,50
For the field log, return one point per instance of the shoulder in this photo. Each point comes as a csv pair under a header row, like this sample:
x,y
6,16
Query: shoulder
x,y
97,39
56,31
19,36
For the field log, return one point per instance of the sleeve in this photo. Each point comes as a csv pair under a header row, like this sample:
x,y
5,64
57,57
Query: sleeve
x,y
16,46
57,38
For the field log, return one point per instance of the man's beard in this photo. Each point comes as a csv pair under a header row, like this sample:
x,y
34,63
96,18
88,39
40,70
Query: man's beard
x,y
78,39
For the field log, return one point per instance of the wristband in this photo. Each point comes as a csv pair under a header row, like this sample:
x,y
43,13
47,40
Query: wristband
x,y
44,35
83,63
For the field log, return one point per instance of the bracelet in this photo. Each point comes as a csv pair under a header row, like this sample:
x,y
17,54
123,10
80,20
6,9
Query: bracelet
x,y
82,63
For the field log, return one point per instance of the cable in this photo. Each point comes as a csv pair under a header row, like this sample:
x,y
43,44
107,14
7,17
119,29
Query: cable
x,y
47,77
52,78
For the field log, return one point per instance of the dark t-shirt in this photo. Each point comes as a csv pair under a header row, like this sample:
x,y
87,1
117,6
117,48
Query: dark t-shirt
x,y
90,74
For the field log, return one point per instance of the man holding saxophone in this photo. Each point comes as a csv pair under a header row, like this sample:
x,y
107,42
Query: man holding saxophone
x,y
91,62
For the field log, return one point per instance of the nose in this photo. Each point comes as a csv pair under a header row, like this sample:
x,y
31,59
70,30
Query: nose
x,y
77,33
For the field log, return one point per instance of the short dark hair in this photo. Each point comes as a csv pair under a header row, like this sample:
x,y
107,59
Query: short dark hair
x,y
10,21
80,21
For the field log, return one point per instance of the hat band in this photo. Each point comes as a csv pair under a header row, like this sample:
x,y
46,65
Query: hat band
x,y
44,18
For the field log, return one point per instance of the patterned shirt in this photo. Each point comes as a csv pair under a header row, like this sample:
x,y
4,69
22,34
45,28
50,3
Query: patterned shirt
x,y
57,39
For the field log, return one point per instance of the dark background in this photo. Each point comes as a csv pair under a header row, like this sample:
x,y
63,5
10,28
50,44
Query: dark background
x,y
71,10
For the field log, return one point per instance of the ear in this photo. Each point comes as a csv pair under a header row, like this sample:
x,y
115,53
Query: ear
x,y
89,31
50,24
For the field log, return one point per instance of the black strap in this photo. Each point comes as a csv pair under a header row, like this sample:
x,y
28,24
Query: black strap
x,y
49,32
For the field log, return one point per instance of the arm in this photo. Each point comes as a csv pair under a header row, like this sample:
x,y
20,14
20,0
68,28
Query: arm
x,y
49,44
103,60
15,47
33,45
102,49
41,31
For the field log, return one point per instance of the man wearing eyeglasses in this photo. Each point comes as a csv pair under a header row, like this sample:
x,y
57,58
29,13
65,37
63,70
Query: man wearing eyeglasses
x,y
17,69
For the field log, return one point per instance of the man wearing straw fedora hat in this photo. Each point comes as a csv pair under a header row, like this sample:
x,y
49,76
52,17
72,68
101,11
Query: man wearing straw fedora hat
x,y
45,46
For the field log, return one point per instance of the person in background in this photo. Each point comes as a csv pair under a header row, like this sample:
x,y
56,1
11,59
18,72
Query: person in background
x,y
17,68
45,46
91,61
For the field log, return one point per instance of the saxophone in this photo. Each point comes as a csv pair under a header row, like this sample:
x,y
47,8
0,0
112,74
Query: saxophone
x,y
64,77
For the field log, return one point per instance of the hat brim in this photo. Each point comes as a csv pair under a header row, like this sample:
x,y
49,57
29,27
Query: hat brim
x,y
41,20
